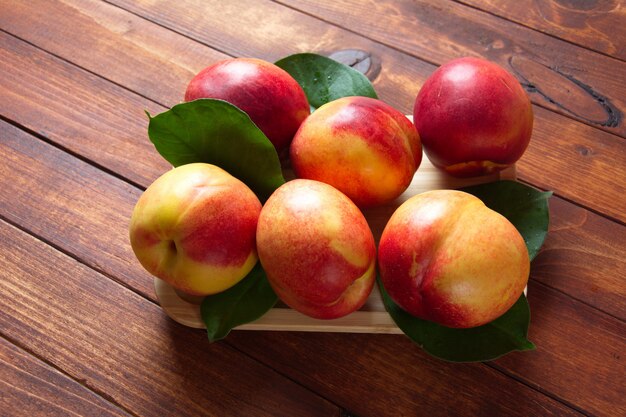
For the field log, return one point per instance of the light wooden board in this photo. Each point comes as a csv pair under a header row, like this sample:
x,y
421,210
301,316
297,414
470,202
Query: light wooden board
x,y
372,317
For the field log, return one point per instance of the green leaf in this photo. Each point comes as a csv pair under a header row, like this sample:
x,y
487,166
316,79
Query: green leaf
x,y
524,206
490,341
217,132
324,79
247,301
527,209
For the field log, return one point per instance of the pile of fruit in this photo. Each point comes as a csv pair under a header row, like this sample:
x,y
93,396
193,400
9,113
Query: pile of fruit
x,y
225,214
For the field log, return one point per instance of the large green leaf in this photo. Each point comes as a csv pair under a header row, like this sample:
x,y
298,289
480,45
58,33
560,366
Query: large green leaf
x,y
524,206
219,133
324,79
245,302
490,341
527,209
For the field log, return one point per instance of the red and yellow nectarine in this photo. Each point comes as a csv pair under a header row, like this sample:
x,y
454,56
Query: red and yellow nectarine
x,y
195,228
363,147
446,257
317,249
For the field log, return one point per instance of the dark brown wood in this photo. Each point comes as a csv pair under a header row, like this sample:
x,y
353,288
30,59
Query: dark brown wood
x,y
31,387
83,113
67,203
575,162
583,256
110,41
47,167
594,24
571,331
119,343
403,378
401,373
581,157
536,59
80,333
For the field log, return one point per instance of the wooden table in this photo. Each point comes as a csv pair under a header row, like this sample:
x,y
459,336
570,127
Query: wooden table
x,y
81,330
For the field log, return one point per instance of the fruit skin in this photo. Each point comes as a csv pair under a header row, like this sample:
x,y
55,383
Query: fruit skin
x,y
445,257
195,228
317,249
363,147
269,95
473,117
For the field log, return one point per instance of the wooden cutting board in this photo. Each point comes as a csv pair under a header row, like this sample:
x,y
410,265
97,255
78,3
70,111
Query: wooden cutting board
x,y
372,317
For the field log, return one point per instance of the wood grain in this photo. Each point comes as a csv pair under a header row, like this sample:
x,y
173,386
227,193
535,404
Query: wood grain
x,y
152,367
31,387
582,250
109,41
380,365
68,203
81,112
596,24
405,380
72,294
47,169
581,158
572,331
564,157
556,73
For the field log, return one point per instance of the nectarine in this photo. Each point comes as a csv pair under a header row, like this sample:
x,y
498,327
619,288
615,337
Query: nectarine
x,y
473,117
446,257
317,249
363,147
195,228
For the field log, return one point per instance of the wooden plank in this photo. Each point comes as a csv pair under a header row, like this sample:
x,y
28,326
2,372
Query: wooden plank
x,y
282,318
559,75
98,22
123,345
402,376
67,202
83,113
573,332
569,158
575,151
31,387
47,171
402,381
597,25
112,42
581,251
